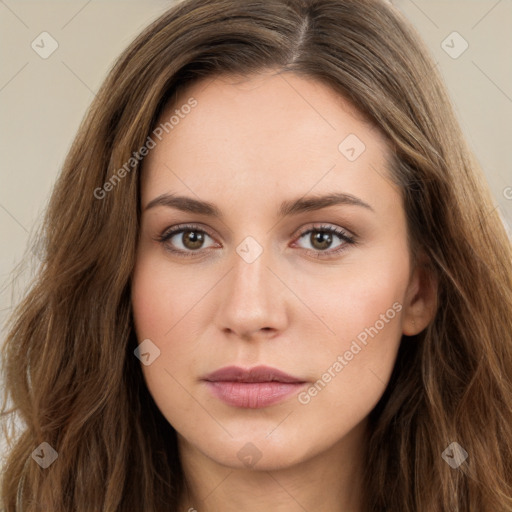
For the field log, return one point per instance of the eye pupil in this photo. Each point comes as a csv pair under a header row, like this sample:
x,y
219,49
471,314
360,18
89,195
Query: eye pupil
x,y
323,238
192,239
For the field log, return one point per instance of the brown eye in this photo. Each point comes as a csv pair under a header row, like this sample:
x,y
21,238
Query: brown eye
x,y
184,240
192,239
320,240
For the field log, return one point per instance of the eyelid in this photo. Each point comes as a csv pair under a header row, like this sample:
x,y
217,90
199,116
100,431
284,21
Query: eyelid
x,y
326,226
347,238
184,227
180,228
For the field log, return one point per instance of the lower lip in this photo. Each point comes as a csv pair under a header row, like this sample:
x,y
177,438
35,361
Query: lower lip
x,y
253,395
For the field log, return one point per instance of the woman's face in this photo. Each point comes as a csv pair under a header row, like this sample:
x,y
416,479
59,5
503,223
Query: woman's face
x,y
259,171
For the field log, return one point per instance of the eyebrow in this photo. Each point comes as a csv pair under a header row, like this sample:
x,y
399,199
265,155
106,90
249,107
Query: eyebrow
x,y
287,208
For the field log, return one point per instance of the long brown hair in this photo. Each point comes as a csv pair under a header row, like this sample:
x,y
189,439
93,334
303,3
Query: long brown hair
x,y
69,366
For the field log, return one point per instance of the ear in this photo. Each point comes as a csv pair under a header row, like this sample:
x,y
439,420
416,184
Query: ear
x,y
420,302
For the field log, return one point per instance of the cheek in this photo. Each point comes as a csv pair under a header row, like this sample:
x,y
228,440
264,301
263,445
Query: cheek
x,y
168,306
162,309
158,304
162,298
362,309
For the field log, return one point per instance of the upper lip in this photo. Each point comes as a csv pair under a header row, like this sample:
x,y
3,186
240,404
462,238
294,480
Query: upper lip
x,y
255,374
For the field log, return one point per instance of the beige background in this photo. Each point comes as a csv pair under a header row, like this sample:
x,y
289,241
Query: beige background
x,y
43,100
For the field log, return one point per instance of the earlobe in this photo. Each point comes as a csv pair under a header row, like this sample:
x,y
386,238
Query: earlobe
x,y
421,299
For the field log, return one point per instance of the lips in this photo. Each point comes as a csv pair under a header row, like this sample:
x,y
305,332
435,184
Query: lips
x,y
252,388
256,374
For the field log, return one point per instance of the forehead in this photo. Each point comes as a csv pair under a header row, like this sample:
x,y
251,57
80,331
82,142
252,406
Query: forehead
x,y
264,134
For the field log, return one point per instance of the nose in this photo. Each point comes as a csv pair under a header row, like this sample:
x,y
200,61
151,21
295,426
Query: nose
x,y
253,300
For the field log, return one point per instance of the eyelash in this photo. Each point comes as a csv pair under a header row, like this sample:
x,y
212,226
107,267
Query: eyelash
x,y
169,233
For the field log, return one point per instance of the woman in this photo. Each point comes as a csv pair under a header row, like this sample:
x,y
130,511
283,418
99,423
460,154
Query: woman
x,y
183,349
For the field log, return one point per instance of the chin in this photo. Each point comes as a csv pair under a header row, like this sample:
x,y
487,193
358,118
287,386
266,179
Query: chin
x,y
256,452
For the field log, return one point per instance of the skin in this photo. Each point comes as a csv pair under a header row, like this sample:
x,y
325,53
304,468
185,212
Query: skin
x,y
248,145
